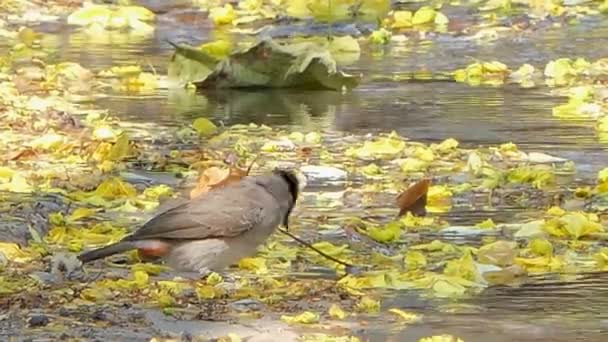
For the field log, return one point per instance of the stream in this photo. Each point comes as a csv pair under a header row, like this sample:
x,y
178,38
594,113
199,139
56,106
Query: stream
x,y
426,110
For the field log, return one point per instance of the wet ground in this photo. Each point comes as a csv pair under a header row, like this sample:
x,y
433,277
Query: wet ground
x,y
429,110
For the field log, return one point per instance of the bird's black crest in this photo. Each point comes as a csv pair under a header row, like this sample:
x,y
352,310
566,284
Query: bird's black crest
x,y
292,182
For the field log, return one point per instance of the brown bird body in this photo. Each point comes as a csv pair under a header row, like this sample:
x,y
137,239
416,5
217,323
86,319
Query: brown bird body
x,y
216,230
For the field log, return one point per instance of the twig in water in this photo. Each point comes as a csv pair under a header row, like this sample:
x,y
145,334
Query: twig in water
x,y
348,266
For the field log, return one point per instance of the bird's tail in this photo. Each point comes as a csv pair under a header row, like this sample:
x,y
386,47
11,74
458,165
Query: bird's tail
x,y
106,251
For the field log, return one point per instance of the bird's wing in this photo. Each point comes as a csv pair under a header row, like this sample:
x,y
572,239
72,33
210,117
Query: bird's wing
x,y
225,212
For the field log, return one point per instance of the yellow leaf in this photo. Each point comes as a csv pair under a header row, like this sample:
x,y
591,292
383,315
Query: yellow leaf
x,y
574,225
435,246
120,149
214,279
306,317
81,213
89,15
424,15
445,289
6,173
414,260
17,184
135,13
206,292
151,269
413,165
368,305
541,247
424,154
222,15
204,127
13,252
258,265
329,248
402,19
382,147
335,311
463,268
487,224
602,175
390,232
405,316
500,253
218,49
441,19
446,146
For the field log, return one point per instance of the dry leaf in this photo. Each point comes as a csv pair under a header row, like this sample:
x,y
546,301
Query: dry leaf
x,y
215,177
414,198
20,154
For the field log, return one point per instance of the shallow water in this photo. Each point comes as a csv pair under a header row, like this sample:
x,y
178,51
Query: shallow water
x,y
426,111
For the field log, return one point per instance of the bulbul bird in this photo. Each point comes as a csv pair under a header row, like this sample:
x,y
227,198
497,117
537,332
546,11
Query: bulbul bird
x,y
215,230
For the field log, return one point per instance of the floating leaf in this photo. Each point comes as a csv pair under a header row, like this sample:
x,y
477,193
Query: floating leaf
x,y
414,260
265,65
573,225
402,19
424,15
381,147
541,247
501,253
204,127
306,317
414,198
487,224
405,316
386,233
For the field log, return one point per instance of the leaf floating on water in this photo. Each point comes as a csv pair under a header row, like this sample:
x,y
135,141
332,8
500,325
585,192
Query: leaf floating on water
x,y
306,317
204,127
414,198
265,65
500,253
408,317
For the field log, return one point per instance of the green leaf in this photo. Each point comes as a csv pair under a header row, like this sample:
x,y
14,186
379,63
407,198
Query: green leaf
x,y
265,65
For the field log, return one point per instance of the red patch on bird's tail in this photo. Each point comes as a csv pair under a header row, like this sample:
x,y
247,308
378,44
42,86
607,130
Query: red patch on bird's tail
x,y
152,249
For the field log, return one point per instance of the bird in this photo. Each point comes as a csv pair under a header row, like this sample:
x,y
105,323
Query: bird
x,y
216,230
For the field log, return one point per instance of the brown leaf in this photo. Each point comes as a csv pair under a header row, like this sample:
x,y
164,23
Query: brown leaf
x,y
20,154
414,198
215,177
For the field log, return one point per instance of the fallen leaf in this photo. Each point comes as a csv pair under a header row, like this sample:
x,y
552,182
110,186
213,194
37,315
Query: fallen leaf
x,y
215,177
306,317
414,198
